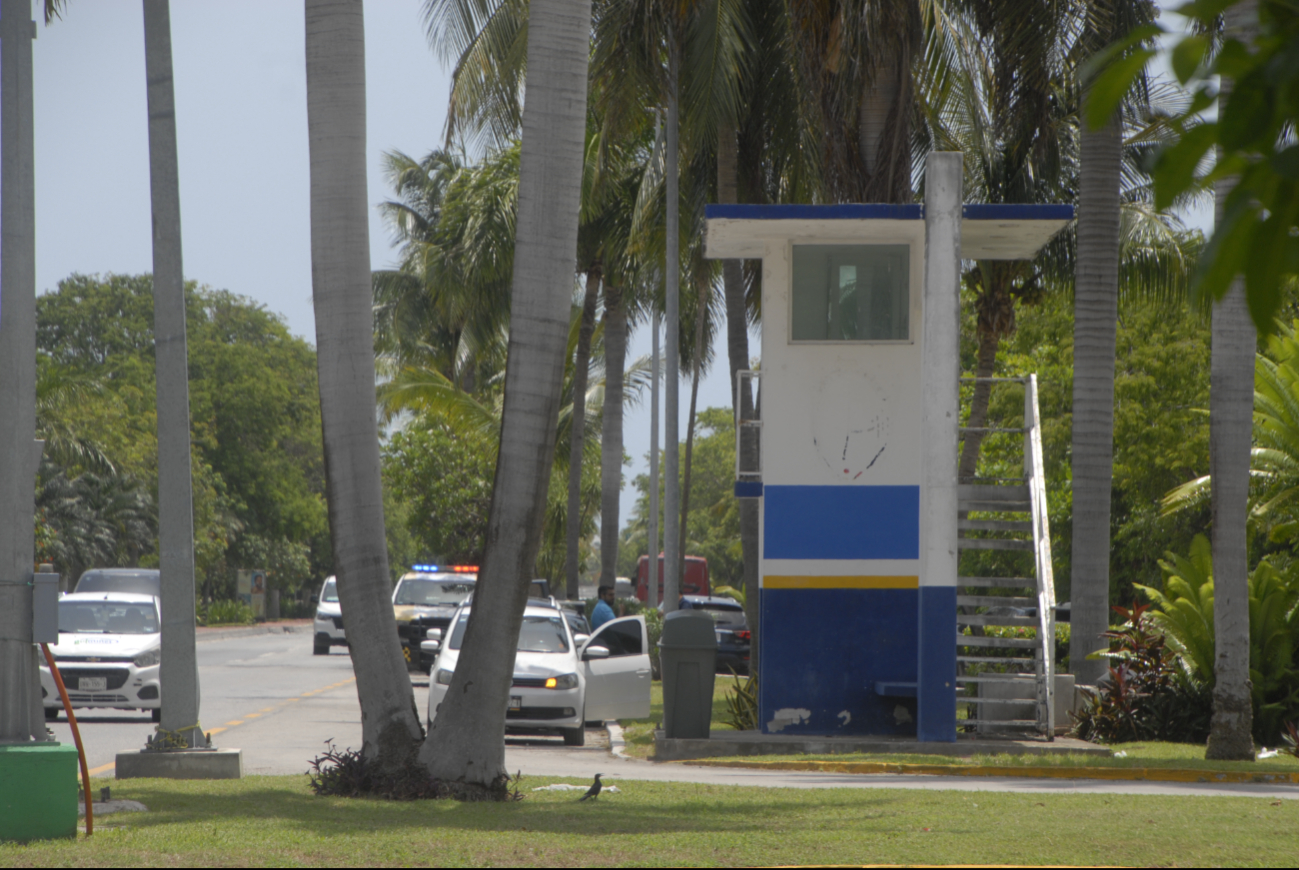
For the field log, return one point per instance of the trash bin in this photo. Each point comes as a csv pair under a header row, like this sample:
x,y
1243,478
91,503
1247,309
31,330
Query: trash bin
x,y
688,652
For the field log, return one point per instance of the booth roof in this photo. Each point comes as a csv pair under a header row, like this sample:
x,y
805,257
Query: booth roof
x,y
988,231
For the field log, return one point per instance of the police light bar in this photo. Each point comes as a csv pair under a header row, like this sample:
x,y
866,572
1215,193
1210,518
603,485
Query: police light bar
x,y
463,569
428,568
452,569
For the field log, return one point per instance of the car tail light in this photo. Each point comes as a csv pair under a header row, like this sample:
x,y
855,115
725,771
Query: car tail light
x,y
744,635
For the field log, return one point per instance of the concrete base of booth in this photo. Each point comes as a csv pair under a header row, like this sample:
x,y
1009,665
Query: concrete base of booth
x,y
730,743
192,764
38,791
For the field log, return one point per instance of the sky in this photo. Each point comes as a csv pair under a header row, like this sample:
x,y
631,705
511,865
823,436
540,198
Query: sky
x,y
242,141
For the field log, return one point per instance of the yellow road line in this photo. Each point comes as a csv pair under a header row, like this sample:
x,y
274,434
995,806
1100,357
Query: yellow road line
x,y
105,768
1151,774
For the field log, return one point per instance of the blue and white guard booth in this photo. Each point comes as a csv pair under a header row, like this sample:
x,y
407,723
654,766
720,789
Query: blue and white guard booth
x,y
858,449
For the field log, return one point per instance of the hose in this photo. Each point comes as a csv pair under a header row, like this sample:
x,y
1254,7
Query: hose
x,y
76,736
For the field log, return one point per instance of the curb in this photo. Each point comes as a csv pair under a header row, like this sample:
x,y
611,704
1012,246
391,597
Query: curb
x,y
617,745
1151,774
203,635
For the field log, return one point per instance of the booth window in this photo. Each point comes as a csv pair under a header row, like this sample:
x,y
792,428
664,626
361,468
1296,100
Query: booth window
x,y
851,293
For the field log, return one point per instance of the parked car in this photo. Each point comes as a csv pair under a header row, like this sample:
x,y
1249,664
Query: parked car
x,y
137,581
108,653
561,679
427,597
328,624
693,582
734,640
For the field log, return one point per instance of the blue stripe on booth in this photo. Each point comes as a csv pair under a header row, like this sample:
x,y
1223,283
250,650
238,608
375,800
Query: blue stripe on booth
x,y
841,522
936,714
823,652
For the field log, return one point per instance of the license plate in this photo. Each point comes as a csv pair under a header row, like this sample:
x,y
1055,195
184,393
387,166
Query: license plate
x,y
516,702
92,684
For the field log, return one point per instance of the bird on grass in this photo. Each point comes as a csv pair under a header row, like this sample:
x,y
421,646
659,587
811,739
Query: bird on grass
x,y
594,791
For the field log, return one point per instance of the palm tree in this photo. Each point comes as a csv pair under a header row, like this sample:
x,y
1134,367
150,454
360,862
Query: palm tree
x,y
180,709
1231,396
467,742
1096,306
340,259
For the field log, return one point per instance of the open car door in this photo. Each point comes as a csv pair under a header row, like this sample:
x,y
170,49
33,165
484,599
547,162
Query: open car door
x,y
618,687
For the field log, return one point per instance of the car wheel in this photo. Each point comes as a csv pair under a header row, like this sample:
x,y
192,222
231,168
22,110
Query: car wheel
x,y
156,714
575,736
321,648
51,713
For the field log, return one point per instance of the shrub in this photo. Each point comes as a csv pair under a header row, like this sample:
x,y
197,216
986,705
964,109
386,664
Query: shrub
x,y
228,613
742,704
347,773
1147,695
1185,616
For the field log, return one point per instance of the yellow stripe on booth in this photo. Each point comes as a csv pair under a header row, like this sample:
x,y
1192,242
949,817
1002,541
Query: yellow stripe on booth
x,y
840,582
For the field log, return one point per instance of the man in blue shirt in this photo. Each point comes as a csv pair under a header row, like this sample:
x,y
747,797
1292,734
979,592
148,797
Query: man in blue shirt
x,y
603,607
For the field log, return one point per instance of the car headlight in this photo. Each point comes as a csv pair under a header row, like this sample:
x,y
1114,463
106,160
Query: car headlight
x,y
444,677
563,681
148,659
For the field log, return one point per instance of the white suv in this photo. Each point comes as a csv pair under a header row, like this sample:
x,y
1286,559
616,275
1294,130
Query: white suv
x,y
108,653
561,680
329,620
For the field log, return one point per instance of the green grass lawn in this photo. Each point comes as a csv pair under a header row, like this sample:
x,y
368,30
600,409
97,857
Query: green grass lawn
x,y
267,821
1162,755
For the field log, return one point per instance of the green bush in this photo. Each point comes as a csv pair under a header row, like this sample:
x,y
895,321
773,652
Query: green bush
x,y
1147,695
228,613
1185,616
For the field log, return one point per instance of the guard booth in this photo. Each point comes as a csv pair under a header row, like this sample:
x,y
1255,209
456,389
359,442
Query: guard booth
x,y
858,448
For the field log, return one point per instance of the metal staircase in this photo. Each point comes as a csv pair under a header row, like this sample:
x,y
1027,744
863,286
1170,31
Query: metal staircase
x,y
1005,677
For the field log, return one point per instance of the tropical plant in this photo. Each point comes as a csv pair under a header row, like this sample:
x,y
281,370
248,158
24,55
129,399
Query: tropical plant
x,y
742,704
1146,694
467,741
1187,618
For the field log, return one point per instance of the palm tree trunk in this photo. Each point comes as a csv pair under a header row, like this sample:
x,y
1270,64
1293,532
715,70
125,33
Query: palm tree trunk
x,y
1231,412
701,305
737,352
653,592
1096,311
341,290
672,350
180,708
467,742
21,716
581,368
985,365
615,352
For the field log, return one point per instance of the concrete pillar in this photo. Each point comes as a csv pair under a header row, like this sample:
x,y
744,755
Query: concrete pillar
x,y
179,675
18,453
936,695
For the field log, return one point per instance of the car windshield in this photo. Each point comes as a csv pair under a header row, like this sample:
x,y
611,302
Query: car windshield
x,y
145,582
330,593
542,634
111,617
430,593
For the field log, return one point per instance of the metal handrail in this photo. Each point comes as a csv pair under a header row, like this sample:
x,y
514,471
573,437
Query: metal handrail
x,y
1035,471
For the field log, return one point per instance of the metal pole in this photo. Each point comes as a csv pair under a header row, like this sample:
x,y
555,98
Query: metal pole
x,y
180,704
20,705
652,546
671,434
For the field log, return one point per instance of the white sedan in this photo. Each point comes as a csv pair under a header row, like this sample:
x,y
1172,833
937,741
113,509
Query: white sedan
x,y
108,653
561,680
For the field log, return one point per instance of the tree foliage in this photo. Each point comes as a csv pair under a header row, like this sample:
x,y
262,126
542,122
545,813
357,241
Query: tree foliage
x,y
258,470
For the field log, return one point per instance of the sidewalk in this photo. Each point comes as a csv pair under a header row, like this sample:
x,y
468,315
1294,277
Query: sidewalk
x,y
224,632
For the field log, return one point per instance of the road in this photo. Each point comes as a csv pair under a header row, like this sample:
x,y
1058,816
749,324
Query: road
x,y
269,696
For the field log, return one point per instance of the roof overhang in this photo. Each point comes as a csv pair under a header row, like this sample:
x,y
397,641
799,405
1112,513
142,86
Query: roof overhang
x,y
988,231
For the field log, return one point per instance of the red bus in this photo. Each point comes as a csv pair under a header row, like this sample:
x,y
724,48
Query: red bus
x,y
694,581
